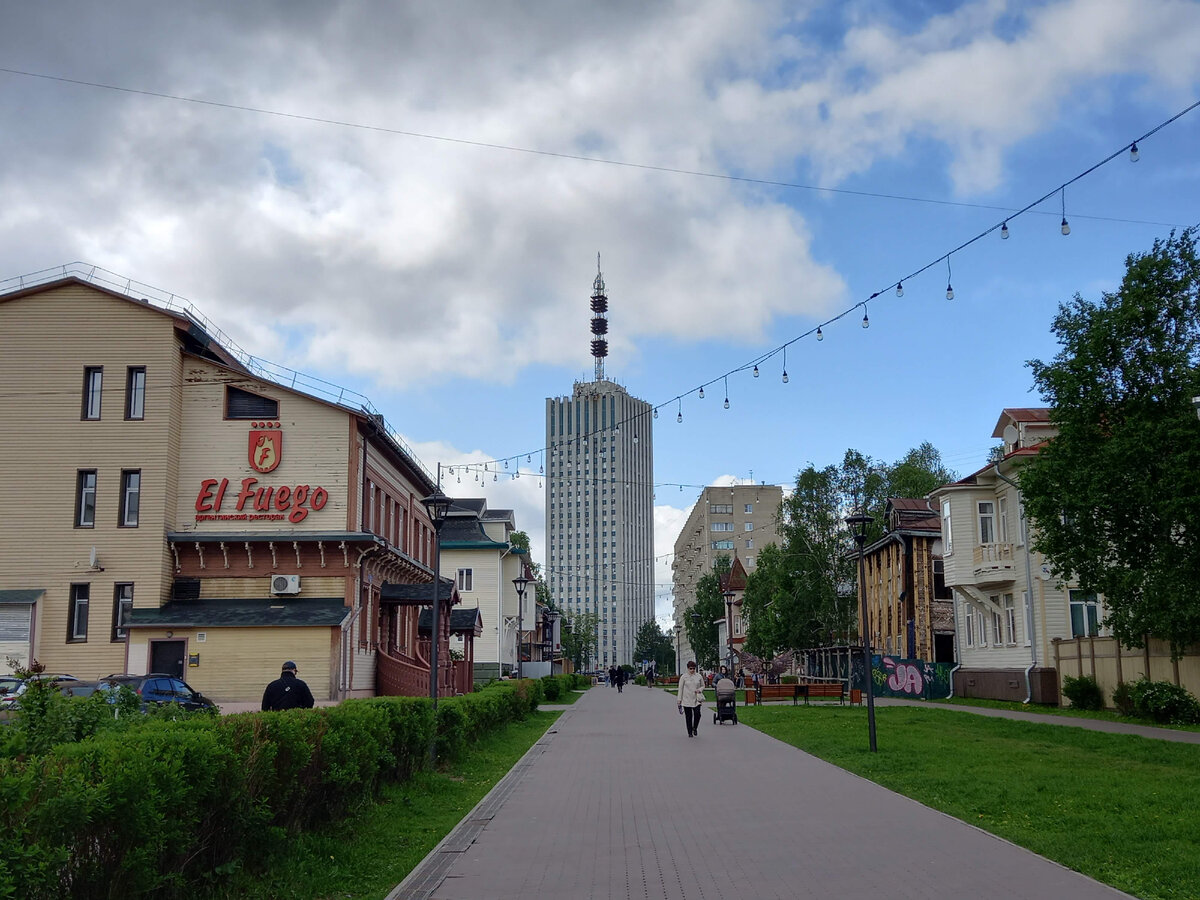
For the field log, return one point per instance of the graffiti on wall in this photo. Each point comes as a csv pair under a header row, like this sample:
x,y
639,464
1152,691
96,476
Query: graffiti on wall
x,y
896,677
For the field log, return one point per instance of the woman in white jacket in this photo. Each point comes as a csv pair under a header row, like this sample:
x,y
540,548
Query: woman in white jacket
x,y
691,695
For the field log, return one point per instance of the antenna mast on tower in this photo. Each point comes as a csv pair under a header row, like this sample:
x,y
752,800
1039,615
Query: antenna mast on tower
x,y
599,322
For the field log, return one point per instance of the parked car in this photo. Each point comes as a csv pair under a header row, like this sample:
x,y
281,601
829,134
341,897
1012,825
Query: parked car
x,y
79,688
159,689
14,687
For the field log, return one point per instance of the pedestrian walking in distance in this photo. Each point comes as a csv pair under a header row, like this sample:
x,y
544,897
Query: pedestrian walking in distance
x,y
287,691
691,695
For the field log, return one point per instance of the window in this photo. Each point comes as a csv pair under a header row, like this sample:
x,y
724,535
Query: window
x,y
77,621
987,522
135,392
749,543
241,404
997,630
1010,618
982,628
749,526
1085,614
466,579
721,526
122,605
722,545
750,562
749,507
93,380
721,508
1003,516
131,493
1021,523
85,498
946,536
969,622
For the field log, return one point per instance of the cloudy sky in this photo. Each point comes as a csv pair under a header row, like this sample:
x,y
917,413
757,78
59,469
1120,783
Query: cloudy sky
x,y
408,199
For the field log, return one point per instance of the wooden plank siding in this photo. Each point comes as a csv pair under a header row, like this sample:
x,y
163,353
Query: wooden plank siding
x,y
46,340
234,664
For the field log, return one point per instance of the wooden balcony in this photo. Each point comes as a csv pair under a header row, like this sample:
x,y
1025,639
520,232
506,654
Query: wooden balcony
x,y
993,563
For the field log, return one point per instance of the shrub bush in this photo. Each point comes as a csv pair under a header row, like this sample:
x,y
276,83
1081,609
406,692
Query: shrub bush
x,y
154,808
1123,698
551,688
1164,702
1083,692
789,679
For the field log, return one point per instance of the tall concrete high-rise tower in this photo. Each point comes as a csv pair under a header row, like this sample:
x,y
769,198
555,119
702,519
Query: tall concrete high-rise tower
x,y
600,502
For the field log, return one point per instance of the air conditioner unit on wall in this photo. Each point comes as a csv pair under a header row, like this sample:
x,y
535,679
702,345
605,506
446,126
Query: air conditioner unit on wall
x,y
285,584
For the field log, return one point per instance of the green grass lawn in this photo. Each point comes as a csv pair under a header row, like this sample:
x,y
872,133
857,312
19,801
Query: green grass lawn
x,y
567,698
368,854
1119,808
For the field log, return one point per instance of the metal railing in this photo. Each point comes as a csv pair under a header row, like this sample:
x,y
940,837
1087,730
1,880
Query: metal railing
x,y
262,368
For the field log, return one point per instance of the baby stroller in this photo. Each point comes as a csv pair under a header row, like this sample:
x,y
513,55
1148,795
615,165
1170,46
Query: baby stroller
x,y
726,702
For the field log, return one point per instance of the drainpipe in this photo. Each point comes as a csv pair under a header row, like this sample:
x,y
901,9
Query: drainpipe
x,y
957,666
1028,584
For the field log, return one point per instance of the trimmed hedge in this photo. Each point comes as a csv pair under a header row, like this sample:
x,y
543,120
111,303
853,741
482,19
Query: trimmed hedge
x,y
160,808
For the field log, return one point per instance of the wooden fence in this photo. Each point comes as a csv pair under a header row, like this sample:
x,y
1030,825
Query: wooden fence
x,y
1110,664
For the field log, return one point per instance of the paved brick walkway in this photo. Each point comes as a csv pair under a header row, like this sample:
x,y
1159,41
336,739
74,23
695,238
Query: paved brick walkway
x,y
617,802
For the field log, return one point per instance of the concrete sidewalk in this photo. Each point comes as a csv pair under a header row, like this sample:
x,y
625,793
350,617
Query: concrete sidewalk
x,y
617,802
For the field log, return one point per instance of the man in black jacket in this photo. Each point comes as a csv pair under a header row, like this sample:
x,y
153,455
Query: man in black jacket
x,y
287,691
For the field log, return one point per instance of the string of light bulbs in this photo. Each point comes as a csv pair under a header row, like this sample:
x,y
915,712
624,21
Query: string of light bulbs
x,y
897,287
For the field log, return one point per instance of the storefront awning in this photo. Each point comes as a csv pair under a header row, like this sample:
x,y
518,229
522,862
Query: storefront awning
x,y
23,595
326,612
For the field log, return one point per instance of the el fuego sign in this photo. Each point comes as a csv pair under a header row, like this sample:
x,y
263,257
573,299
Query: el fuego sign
x,y
273,503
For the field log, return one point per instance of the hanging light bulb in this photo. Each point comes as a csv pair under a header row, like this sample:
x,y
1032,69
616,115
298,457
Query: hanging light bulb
x,y
785,377
866,321
756,371
459,479
679,417
949,276
1066,229
701,393
656,413
528,457
506,464
617,428
635,439
949,291
1134,156
541,471
820,335
899,288
727,392
1004,232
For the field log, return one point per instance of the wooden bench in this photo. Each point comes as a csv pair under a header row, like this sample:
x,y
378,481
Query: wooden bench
x,y
767,692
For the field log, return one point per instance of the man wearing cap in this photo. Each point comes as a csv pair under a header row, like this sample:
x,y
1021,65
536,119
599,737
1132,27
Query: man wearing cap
x,y
287,691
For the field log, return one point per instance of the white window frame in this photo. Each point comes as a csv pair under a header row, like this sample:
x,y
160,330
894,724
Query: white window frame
x,y
122,607
1028,613
1010,619
749,507
987,533
93,392
1002,519
969,624
80,600
135,392
131,497
85,513
465,580
749,526
947,535
997,629
1087,599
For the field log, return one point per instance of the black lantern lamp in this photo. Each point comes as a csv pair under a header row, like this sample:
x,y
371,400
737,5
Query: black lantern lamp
x,y
858,523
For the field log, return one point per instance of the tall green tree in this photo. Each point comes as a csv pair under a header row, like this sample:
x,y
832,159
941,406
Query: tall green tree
x,y
1115,496
701,621
802,594
581,640
653,644
520,539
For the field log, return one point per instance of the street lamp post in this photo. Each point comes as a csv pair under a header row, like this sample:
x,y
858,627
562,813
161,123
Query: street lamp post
x,y
729,629
858,527
678,629
520,583
438,506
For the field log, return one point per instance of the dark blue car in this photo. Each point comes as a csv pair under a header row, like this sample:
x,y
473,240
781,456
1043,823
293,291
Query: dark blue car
x,y
158,689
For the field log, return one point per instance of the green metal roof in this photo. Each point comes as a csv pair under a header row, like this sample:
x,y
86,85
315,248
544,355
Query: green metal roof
x,y
23,595
255,613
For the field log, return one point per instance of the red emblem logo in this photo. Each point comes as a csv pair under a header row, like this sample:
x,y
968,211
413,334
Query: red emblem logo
x,y
266,450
